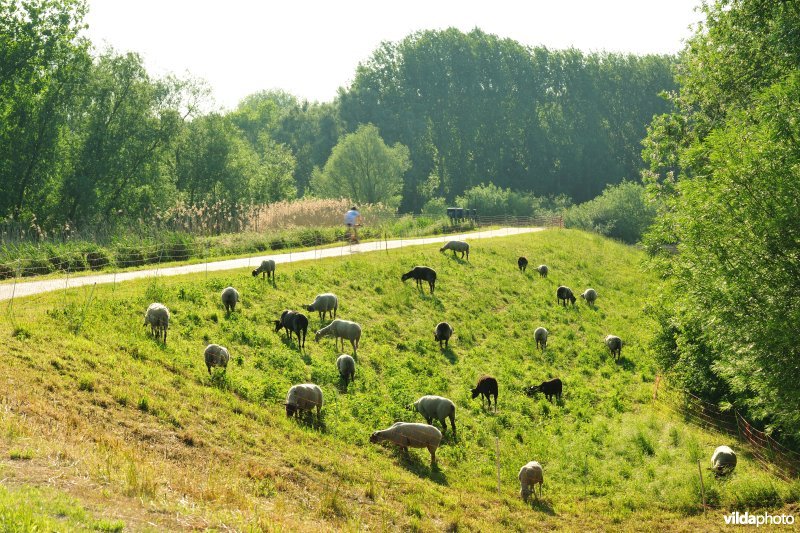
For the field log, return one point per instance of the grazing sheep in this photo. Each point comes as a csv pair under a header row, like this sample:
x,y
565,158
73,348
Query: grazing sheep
x,y
324,303
304,397
230,297
486,387
522,263
543,270
266,269
409,434
590,295
439,408
614,344
723,461
565,293
540,336
293,322
443,332
341,329
157,316
529,476
457,246
548,388
421,273
347,368
217,355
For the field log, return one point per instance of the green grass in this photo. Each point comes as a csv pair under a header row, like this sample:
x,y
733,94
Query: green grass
x,y
179,448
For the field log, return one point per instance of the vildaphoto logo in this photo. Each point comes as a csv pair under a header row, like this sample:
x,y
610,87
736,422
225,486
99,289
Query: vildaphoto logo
x,y
747,519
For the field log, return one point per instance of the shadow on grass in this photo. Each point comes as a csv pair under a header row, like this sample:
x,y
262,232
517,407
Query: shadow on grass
x,y
542,506
626,363
420,467
450,355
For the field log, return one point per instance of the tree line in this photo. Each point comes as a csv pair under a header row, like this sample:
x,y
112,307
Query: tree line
x,y
91,139
724,167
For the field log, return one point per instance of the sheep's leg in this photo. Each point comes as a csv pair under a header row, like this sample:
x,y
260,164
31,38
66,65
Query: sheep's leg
x,y
453,423
433,455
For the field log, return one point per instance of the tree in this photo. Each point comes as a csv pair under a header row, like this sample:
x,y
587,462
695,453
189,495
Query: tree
x,y
363,169
725,167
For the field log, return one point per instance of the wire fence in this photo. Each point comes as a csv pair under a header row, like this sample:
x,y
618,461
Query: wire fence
x,y
768,452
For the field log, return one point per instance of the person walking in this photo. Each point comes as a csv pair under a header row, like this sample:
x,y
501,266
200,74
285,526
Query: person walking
x,y
352,219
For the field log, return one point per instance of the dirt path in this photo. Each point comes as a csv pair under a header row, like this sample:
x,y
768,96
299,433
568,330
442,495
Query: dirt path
x,y
29,288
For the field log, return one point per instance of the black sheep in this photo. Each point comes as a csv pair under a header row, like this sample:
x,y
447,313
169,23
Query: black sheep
x,y
549,388
486,387
421,273
565,293
294,322
522,263
443,332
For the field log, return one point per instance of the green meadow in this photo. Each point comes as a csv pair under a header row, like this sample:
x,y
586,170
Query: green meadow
x,y
102,427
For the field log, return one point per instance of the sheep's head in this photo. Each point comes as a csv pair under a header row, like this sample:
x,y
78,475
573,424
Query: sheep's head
x,y
443,248
475,393
405,276
255,272
375,437
291,409
317,336
531,391
278,326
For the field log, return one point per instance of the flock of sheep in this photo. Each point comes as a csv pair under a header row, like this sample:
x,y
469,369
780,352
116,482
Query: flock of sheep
x,y
307,397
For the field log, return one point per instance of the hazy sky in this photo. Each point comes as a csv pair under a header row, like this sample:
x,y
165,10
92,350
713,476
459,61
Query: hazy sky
x,y
311,48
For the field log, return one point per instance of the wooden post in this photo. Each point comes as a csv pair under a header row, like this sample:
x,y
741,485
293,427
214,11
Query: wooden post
x,y
702,486
497,460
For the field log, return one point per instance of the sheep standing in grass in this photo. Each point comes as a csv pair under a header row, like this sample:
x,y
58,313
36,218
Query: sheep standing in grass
x,y
457,246
230,297
723,461
324,303
522,263
293,322
442,333
217,355
266,269
347,368
614,344
590,295
157,317
540,336
420,274
411,435
529,476
542,270
303,398
565,293
436,407
341,329
486,387
548,388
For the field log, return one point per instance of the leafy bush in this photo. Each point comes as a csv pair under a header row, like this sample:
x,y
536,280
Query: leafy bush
x,y
491,200
621,211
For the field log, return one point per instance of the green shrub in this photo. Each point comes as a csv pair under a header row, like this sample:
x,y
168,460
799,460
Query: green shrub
x,y
621,212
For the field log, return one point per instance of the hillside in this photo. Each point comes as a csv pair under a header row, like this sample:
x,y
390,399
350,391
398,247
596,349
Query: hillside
x,y
103,427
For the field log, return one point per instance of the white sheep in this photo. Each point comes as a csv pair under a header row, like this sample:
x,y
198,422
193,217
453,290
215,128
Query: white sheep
x,y
217,355
540,336
409,434
439,408
457,246
347,368
543,270
303,397
341,329
590,295
529,476
324,303
723,461
157,316
614,344
230,297
442,333
266,269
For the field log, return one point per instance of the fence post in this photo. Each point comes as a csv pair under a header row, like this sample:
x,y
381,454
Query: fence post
x,y
702,486
497,461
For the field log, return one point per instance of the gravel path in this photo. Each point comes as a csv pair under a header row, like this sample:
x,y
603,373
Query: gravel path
x,y
29,288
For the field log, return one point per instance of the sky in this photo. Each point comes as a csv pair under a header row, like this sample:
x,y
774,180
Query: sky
x,y
311,48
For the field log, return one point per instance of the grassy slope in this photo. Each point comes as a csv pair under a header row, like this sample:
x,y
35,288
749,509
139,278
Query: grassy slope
x,y
139,432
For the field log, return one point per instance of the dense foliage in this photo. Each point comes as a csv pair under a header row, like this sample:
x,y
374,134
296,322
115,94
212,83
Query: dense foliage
x,y
90,139
474,108
622,212
726,167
